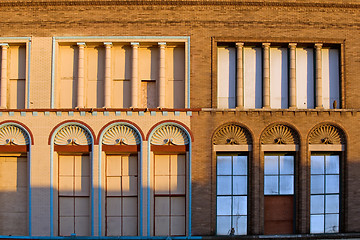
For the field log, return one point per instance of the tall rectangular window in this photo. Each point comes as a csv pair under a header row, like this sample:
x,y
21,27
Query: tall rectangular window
x,y
121,195
325,193
305,81
170,195
242,76
279,86
330,77
13,195
232,190
74,195
279,194
252,77
226,77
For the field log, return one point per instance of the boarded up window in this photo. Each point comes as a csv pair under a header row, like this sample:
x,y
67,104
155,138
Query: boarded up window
x,y
121,76
226,77
95,74
279,77
13,196
68,70
74,195
169,194
121,195
17,76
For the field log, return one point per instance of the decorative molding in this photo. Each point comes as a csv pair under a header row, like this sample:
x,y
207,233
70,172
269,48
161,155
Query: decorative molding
x,y
72,135
28,3
121,135
279,134
326,134
13,135
232,134
169,135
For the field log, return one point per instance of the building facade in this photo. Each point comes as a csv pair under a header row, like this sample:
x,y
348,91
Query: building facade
x,y
187,119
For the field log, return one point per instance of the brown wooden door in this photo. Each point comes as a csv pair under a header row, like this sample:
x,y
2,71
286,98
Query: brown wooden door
x,y
279,214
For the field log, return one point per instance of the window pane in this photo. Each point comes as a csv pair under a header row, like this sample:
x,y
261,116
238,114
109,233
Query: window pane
x,y
317,204
240,225
240,185
240,165
332,164
316,223
223,225
286,184
240,205
286,164
224,185
224,165
332,183
271,185
331,223
271,165
317,184
317,164
332,204
223,206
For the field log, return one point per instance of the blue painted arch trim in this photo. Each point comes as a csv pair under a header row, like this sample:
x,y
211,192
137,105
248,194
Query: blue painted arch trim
x,y
149,178
140,215
29,167
52,174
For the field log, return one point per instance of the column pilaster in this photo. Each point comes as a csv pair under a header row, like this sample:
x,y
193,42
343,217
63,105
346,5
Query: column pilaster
x,y
3,80
107,87
292,76
239,76
134,75
81,75
318,76
162,82
266,75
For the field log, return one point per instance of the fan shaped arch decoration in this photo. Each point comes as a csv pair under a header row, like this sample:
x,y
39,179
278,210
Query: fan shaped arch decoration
x,y
72,135
169,135
121,135
13,135
279,134
232,134
326,134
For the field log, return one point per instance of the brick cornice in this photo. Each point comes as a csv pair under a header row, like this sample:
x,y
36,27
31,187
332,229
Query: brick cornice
x,y
319,4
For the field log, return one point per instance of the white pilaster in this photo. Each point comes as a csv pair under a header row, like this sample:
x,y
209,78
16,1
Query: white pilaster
x,y
162,82
3,81
134,75
81,74
292,76
266,75
318,75
107,88
239,76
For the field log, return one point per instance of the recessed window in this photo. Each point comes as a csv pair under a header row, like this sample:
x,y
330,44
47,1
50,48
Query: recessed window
x,y
170,195
325,193
232,190
277,76
279,194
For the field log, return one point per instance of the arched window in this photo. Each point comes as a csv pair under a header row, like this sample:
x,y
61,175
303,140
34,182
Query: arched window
x,y
169,171
279,146
121,144
231,144
327,146
15,144
72,180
